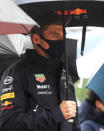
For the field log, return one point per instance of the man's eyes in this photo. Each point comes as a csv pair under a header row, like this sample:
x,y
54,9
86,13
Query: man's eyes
x,y
55,36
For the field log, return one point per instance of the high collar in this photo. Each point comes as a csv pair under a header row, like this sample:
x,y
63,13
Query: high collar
x,y
32,56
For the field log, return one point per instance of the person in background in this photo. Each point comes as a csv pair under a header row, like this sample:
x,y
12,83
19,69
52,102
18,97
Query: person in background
x,y
91,111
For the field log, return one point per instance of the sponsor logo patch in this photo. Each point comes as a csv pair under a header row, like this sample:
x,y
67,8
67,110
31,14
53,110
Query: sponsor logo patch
x,y
6,103
43,87
40,77
8,89
7,95
8,80
6,107
44,92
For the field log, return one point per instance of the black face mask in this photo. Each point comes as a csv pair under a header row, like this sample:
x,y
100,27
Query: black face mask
x,y
56,47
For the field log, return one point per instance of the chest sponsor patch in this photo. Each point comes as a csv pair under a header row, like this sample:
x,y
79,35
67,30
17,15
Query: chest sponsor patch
x,y
8,80
40,77
6,107
7,89
43,87
44,92
7,95
7,103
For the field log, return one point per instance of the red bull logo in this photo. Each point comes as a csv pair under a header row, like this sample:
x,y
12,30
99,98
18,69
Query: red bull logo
x,y
77,11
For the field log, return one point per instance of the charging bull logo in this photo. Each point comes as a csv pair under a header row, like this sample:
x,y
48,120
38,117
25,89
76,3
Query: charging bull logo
x,y
76,11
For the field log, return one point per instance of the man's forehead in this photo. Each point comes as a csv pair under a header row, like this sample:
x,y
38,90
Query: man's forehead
x,y
53,27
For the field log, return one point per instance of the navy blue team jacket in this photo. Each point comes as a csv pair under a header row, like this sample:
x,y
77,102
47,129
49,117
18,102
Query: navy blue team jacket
x,y
30,93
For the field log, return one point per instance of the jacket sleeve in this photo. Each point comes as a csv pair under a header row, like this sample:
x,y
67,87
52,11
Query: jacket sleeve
x,y
76,122
86,126
13,106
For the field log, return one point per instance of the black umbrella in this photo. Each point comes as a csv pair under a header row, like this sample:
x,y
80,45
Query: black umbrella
x,y
82,12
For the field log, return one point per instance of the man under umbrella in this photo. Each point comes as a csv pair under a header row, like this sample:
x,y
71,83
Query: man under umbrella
x,y
33,93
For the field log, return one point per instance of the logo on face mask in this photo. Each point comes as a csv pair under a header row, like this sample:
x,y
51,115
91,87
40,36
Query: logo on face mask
x,y
40,77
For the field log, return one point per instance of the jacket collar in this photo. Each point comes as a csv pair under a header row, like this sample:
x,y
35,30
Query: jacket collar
x,y
32,56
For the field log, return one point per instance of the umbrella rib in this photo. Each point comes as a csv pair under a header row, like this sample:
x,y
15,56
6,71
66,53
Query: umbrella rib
x,y
9,50
26,29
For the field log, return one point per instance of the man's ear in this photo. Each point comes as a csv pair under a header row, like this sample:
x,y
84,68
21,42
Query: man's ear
x,y
36,39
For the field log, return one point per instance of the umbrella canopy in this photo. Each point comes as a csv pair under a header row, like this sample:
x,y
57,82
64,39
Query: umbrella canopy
x,y
12,48
13,20
82,12
96,83
15,44
93,53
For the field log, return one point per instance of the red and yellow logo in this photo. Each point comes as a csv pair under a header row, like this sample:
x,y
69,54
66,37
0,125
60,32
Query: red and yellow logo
x,y
7,95
7,103
76,11
40,77
6,107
